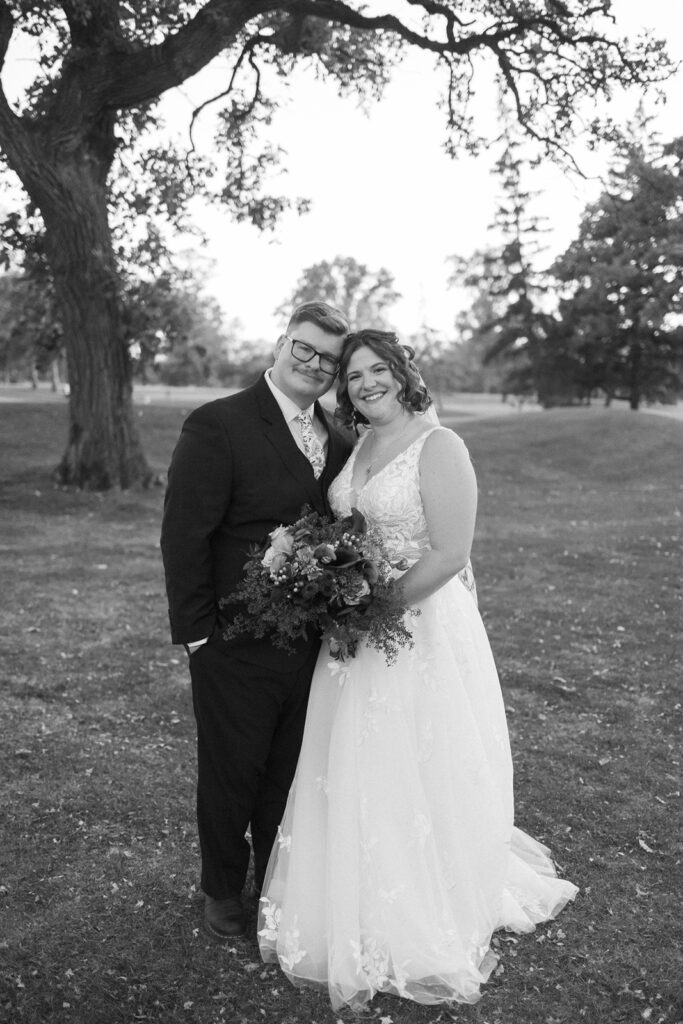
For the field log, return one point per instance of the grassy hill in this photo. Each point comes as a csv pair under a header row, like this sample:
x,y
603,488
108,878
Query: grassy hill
x,y
578,559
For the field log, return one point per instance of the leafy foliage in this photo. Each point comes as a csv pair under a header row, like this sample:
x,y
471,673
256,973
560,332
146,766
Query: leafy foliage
x,y
361,294
617,324
623,307
330,576
174,330
518,325
31,335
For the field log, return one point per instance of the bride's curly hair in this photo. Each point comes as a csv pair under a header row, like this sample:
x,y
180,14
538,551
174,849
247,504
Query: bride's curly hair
x,y
399,358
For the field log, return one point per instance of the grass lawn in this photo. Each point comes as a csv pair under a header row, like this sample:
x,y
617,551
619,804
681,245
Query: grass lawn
x,y
578,558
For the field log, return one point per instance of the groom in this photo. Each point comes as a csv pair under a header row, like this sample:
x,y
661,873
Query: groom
x,y
242,466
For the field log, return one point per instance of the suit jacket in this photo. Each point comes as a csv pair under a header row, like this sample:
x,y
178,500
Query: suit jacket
x,y
236,473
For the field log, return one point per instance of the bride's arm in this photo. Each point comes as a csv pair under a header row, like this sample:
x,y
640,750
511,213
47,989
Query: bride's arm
x,y
449,494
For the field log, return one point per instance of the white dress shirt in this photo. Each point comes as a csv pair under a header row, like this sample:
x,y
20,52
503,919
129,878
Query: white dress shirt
x,y
291,412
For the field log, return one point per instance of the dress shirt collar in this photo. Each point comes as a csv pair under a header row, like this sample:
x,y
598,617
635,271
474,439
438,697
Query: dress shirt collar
x,y
290,410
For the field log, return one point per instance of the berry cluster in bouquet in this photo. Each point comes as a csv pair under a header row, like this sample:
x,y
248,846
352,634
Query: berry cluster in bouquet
x,y
333,576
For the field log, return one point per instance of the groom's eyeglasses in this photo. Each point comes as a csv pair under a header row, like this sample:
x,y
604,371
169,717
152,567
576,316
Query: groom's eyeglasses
x,y
304,353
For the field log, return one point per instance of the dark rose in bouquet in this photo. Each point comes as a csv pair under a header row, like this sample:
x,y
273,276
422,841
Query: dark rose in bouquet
x,y
333,576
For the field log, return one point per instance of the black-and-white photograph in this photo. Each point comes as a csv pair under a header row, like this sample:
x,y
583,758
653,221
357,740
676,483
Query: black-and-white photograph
x,y
341,511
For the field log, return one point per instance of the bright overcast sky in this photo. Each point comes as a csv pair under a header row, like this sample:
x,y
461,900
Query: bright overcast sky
x,y
382,190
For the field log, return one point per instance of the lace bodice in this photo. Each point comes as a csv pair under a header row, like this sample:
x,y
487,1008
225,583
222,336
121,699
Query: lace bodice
x,y
389,500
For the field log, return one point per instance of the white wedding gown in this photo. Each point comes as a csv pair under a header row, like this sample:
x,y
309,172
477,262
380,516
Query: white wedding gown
x,y
397,857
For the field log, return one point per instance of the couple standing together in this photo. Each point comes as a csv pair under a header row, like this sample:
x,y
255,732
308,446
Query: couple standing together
x,y
380,809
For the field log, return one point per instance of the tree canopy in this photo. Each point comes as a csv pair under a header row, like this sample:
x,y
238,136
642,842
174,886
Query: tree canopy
x,y
509,276
607,316
363,295
623,276
83,140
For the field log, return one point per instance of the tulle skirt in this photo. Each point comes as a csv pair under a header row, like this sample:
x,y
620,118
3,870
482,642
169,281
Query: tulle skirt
x,y
397,857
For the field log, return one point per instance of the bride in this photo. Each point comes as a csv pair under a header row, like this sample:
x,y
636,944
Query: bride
x,y
397,857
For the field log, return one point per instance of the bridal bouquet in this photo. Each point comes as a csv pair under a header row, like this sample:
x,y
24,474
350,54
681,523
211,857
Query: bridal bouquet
x,y
332,576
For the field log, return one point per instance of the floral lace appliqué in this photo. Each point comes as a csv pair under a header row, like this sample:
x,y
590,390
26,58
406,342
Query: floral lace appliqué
x,y
425,742
283,841
272,915
422,828
374,965
390,499
292,953
377,704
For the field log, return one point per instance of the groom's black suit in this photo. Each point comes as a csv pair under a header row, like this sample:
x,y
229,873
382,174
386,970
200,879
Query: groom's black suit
x,y
235,475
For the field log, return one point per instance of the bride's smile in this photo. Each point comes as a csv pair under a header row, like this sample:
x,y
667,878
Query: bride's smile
x,y
369,382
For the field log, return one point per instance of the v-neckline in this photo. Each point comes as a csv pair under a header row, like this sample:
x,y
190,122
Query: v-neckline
x,y
356,491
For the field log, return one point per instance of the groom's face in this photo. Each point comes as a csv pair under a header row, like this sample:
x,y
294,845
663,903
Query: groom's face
x,y
304,382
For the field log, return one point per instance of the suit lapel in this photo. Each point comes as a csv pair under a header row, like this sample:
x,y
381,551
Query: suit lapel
x,y
333,443
278,434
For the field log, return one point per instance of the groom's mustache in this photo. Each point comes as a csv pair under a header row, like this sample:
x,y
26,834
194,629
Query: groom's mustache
x,y
315,374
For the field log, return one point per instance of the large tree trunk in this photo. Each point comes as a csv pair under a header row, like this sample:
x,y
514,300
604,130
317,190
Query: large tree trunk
x,y
103,447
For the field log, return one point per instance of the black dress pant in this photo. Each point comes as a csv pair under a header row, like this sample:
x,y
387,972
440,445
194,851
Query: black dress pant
x,y
250,723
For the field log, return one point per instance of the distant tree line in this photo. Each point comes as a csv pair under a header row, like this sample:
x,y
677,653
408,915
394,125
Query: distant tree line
x,y
176,333
86,144
605,319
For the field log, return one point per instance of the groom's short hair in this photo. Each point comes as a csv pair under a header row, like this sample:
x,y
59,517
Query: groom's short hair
x,y
324,316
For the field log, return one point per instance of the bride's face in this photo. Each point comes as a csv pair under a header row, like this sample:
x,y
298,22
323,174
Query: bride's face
x,y
372,387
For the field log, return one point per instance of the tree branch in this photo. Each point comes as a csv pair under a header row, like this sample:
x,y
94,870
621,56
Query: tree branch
x,y
92,23
6,29
337,11
104,72
248,52
433,7
546,140
13,136
141,75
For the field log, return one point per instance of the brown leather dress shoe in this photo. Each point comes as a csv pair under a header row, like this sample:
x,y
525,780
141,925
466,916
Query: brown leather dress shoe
x,y
224,919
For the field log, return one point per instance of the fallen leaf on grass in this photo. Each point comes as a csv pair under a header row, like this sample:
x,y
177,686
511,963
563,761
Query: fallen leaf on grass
x,y
643,845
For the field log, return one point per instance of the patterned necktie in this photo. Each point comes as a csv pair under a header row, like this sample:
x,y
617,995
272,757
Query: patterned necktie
x,y
313,450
